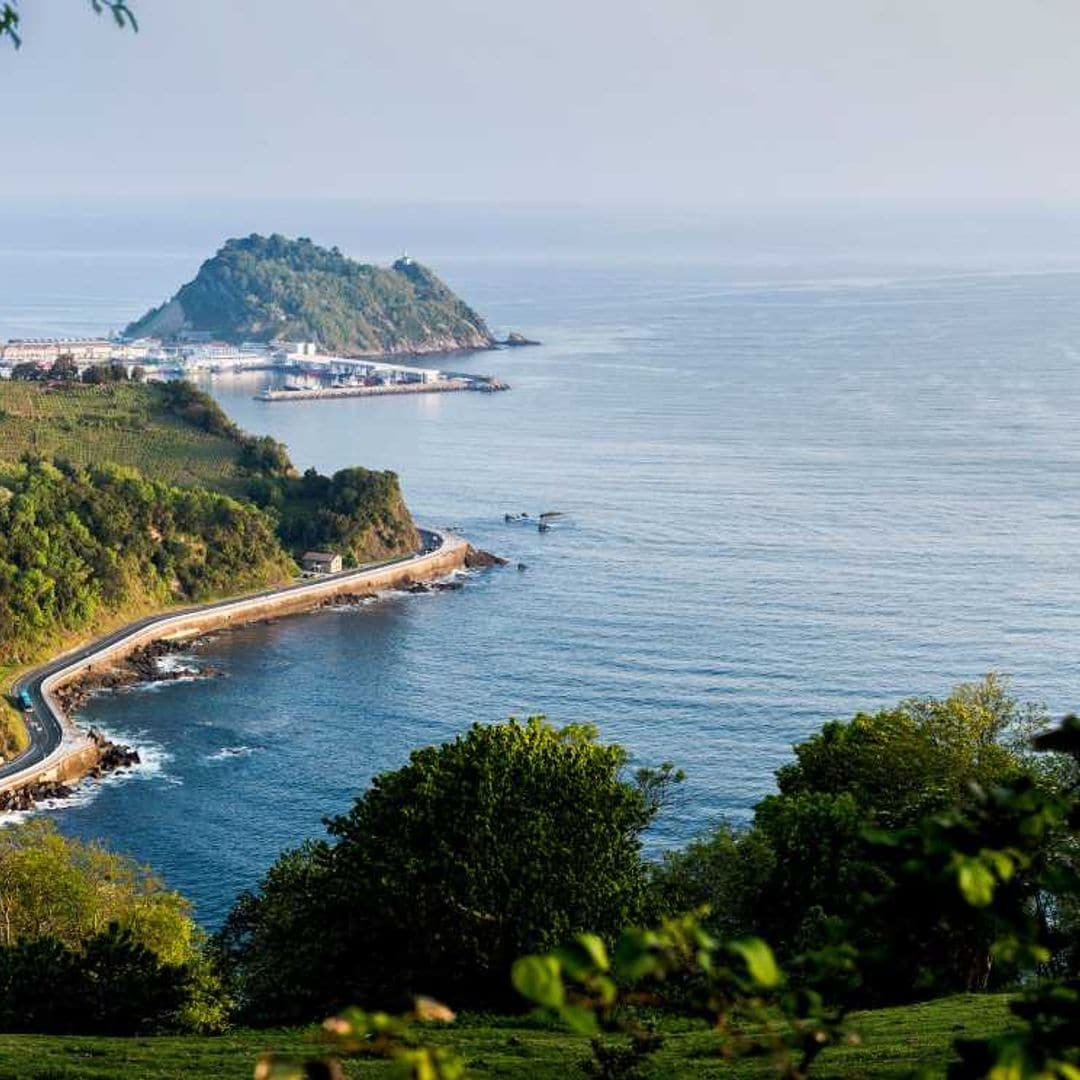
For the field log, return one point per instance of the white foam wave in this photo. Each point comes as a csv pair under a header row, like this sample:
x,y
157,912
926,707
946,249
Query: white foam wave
x,y
228,752
171,662
153,686
153,759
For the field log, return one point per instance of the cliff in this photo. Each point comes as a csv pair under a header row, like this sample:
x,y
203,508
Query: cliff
x,y
273,288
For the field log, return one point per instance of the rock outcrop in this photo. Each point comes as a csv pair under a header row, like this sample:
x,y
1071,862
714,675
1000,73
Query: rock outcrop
x,y
477,559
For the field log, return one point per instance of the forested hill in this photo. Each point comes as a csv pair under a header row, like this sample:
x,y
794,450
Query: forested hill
x,y
124,498
266,288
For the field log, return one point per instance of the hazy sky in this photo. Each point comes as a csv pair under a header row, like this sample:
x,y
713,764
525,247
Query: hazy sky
x,y
679,101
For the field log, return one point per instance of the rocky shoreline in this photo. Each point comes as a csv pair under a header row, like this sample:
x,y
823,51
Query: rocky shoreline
x,y
140,666
477,559
143,665
112,757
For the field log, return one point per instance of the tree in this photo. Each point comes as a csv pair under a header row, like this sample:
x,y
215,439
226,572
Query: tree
x,y
92,942
110,985
507,839
9,17
56,887
64,368
806,865
901,763
26,371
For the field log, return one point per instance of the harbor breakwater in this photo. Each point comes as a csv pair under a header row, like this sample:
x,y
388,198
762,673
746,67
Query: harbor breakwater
x,y
433,386
72,753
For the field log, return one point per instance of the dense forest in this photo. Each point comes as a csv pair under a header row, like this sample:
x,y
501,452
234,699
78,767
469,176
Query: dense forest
x,y
76,542
264,288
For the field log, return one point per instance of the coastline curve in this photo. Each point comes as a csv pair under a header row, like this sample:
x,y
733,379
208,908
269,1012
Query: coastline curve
x,y
59,751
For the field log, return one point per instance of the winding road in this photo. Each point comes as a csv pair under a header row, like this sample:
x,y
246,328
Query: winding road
x,y
49,728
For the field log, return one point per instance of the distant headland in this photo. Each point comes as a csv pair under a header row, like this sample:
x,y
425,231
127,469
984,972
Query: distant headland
x,y
272,288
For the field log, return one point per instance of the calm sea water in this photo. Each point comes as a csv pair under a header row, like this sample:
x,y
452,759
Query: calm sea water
x,y
810,465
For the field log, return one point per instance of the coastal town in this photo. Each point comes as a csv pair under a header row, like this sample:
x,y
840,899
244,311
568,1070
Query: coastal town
x,y
305,370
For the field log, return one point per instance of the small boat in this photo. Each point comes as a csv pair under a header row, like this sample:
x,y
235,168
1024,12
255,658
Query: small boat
x,y
543,527
549,514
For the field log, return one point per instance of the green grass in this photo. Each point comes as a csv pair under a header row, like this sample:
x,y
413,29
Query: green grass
x,y
895,1043
122,423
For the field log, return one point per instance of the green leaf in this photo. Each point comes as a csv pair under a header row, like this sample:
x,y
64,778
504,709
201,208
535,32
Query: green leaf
x,y
1001,862
975,880
759,960
605,989
634,958
539,978
584,956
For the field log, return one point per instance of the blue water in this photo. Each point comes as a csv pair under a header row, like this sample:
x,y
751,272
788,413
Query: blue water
x,y
802,477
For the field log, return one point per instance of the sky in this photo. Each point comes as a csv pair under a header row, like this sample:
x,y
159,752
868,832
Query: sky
x,y
675,102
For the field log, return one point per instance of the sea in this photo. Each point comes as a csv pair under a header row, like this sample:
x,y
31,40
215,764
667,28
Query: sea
x,y
810,460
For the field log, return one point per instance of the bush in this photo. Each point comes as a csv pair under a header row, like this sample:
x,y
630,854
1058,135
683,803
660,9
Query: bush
x,y
59,972
503,841
110,986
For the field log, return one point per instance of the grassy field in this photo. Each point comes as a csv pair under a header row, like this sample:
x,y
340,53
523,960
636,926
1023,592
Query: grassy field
x,y
122,423
895,1043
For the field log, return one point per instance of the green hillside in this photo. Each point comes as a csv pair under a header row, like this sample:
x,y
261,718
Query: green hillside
x,y
136,425
895,1043
268,288
125,498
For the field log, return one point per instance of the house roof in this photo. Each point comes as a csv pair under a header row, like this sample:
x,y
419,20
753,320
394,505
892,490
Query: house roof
x,y
321,556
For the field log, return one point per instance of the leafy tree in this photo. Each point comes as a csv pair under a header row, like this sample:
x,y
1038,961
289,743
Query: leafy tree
x,y
507,839
64,368
76,541
110,985
92,942
27,371
9,17
52,886
265,455
902,763
806,864
357,512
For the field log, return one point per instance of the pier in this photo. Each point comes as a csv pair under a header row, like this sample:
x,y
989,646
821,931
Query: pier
x,y
430,386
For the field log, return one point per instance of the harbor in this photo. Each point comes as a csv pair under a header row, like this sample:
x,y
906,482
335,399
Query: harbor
x,y
303,371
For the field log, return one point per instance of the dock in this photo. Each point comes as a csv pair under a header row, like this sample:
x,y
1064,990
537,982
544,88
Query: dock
x,y
431,386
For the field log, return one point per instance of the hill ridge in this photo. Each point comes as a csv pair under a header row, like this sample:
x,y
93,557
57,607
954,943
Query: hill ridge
x,y
267,288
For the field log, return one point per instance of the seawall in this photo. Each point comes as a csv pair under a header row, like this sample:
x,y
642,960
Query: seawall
x,y
77,754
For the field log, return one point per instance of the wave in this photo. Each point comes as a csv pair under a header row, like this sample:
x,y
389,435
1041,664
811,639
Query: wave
x,y
152,686
153,760
228,752
171,662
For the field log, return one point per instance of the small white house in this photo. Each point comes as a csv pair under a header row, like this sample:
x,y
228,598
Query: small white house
x,y
321,562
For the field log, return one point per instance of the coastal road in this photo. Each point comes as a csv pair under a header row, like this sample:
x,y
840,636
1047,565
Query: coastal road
x,y
46,727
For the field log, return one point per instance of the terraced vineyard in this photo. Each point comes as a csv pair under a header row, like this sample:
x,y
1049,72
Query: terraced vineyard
x,y
129,424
